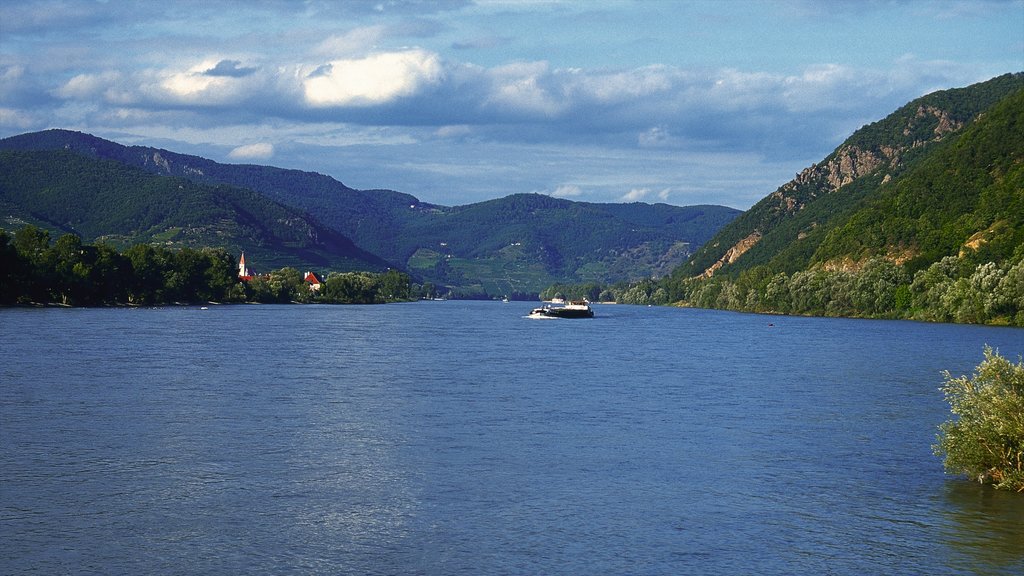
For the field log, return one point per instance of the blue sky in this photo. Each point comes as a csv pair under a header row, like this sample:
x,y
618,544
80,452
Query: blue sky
x,y
459,101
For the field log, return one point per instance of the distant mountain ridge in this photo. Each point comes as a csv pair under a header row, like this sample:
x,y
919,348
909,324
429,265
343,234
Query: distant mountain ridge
x,y
520,243
105,200
821,217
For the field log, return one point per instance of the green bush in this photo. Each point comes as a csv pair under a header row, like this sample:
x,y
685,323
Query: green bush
x,y
986,439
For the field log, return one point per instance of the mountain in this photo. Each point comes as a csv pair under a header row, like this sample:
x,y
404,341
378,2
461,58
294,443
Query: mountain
x,y
525,242
939,174
521,243
105,200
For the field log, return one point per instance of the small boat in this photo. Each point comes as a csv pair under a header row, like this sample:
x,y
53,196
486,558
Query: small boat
x,y
573,309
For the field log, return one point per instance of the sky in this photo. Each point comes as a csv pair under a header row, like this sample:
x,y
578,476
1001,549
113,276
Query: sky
x,y
461,101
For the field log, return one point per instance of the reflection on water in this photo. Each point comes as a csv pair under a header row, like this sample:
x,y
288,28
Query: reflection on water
x,y
986,526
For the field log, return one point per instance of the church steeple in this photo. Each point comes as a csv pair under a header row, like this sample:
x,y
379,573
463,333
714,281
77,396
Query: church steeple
x,y
244,274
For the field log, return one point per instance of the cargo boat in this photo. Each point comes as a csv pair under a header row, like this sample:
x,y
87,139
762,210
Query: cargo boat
x,y
574,309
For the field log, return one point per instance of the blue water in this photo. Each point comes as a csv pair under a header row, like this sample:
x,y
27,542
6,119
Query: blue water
x,y
462,438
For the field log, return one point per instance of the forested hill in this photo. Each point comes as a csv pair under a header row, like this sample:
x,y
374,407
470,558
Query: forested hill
x,y
941,172
105,200
517,244
918,216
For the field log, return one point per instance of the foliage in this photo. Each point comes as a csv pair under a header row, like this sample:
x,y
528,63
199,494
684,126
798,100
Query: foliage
x,y
590,291
950,290
69,272
985,441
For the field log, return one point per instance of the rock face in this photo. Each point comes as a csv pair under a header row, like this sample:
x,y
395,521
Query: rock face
x,y
850,163
945,125
733,254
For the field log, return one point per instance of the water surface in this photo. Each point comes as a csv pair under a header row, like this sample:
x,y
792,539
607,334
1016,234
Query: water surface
x,y
463,438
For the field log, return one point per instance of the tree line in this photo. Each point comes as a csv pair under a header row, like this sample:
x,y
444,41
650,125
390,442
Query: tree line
x,y
34,270
953,289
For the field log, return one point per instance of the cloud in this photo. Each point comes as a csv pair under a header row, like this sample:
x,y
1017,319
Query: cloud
x,y
626,85
11,79
374,80
636,194
16,119
355,41
229,68
656,137
456,131
527,102
567,191
641,194
257,151
525,87
85,86
195,85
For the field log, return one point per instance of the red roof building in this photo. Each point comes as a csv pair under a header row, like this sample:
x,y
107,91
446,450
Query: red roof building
x,y
313,281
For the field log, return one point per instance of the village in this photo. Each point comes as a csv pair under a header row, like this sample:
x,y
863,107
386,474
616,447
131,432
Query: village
x,y
312,279
288,285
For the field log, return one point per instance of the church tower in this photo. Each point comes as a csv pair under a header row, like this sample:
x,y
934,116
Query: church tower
x,y
243,272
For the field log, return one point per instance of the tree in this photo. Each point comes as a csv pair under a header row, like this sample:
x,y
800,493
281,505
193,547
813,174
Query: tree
x,y
394,285
221,274
72,269
31,241
33,245
13,271
986,440
147,265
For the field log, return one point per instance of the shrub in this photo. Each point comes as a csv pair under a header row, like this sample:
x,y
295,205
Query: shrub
x,y
986,439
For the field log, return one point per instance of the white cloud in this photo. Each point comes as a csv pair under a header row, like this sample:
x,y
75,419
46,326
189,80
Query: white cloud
x,y
567,191
213,81
257,151
374,80
636,194
189,83
524,87
16,119
625,85
656,137
87,85
11,74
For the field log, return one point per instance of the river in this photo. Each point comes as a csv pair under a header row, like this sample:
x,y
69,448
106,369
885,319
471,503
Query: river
x,y
457,438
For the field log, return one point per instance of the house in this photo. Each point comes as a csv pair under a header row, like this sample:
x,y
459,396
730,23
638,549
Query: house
x,y
313,281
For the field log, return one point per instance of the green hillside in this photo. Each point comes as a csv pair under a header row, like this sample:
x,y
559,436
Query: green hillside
x,y
517,244
966,196
105,200
920,215
785,229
